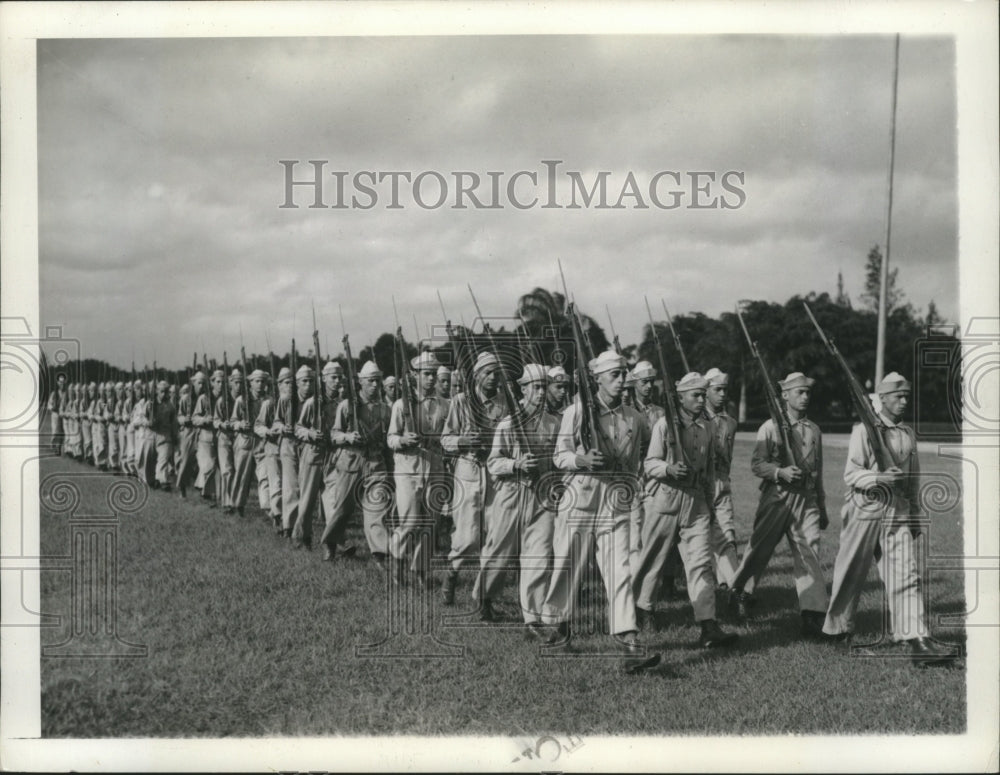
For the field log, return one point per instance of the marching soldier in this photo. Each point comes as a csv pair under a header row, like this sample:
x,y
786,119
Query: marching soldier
x,y
318,457
468,434
71,421
57,399
242,422
679,512
521,517
285,416
163,430
203,419
87,399
99,427
187,436
880,520
600,486
224,435
129,461
792,502
724,525
145,450
417,465
389,388
643,377
556,392
443,386
116,394
258,398
311,453
271,459
360,480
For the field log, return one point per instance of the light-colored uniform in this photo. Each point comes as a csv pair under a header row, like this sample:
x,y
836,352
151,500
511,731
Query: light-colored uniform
x,y
187,442
594,510
204,418
521,517
869,527
56,400
243,449
114,431
269,462
224,445
419,475
358,478
473,488
678,513
163,431
312,458
288,455
99,430
128,431
83,419
792,512
651,412
145,463
724,525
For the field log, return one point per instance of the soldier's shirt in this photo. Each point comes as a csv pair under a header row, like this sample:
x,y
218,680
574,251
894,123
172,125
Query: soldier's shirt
x,y
464,419
621,437
724,427
767,457
861,468
540,431
651,412
372,424
284,412
431,413
162,418
311,419
698,443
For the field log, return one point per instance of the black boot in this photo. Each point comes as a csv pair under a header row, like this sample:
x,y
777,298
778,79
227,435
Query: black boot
x,y
713,636
448,587
924,653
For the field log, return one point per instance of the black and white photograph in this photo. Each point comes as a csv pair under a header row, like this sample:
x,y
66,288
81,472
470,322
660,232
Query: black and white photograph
x,y
521,388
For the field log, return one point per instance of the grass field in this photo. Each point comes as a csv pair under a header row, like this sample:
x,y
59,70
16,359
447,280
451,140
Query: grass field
x,y
247,637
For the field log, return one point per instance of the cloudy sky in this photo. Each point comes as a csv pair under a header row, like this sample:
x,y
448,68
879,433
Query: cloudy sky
x,y
160,181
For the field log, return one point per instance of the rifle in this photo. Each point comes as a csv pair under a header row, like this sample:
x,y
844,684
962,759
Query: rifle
x,y
293,363
453,340
354,422
318,381
617,344
791,452
677,339
669,407
153,397
246,387
131,388
516,418
884,456
225,387
405,388
270,367
589,424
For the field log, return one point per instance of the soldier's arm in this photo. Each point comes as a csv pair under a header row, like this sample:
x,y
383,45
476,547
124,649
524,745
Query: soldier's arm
x,y
338,432
451,434
859,470
913,482
655,464
764,462
501,461
394,435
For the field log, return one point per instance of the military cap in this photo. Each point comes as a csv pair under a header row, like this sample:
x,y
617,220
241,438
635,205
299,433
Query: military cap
x,y
137,383
557,374
284,374
236,374
893,383
185,389
485,360
119,386
369,370
257,374
332,367
425,362
390,380
643,370
162,385
60,377
198,374
607,361
691,381
716,377
796,380
305,372
444,371
533,372
218,373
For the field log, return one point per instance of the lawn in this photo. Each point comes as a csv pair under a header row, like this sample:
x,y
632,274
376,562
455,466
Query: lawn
x,y
247,637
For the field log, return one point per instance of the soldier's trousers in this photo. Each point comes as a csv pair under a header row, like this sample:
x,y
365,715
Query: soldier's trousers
x,y
131,454
243,469
224,450
146,465
122,447
518,534
677,519
414,533
863,531
206,464
56,429
99,438
164,458
187,464
364,489
590,518
310,485
114,436
778,517
87,448
473,494
288,452
269,484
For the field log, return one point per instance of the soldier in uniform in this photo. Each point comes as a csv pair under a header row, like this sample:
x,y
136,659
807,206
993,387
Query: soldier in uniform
x,y
145,448
643,377
519,523
360,477
244,441
285,417
443,386
115,397
724,525
679,504
271,438
389,388
204,420
57,398
163,430
316,428
69,421
596,504
258,398
312,452
125,415
83,412
468,434
99,427
880,521
417,465
187,437
556,392
225,435
791,500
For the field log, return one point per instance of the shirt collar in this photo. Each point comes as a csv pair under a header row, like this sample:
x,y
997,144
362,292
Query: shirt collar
x,y
604,409
687,421
886,421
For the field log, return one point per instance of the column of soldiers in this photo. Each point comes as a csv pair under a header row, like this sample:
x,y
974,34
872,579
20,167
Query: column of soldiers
x,y
527,491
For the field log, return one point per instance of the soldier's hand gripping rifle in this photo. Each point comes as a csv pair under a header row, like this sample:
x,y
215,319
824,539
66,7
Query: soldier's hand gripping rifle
x,y
884,457
677,339
293,362
671,415
225,389
516,416
354,421
318,383
247,418
152,417
791,453
405,386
